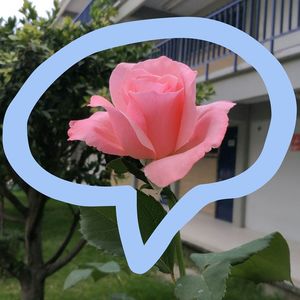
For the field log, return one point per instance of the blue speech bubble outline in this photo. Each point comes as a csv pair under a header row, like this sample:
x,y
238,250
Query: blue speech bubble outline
x,y
141,257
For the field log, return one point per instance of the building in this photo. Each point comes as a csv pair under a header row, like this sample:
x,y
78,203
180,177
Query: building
x,y
276,24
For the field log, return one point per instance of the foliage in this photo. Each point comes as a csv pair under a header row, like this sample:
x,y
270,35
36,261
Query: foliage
x,y
263,260
95,270
240,289
99,227
204,92
145,287
10,242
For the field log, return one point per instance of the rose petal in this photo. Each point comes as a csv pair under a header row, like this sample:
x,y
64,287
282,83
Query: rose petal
x,y
97,101
125,78
189,114
150,83
98,132
206,114
223,105
164,171
132,138
210,130
162,66
161,112
187,76
117,87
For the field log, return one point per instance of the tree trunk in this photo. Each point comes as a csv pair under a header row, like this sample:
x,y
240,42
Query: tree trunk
x,y
32,272
33,278
32,286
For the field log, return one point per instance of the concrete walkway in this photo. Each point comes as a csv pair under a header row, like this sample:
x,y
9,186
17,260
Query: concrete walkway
x,y
215,235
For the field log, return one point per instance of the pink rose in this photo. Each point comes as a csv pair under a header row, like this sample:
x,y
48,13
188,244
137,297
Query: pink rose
x,y
154,117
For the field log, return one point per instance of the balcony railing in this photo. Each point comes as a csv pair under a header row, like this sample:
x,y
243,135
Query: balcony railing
x,y
265,20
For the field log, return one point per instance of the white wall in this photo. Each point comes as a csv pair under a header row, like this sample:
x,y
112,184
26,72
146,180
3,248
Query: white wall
x,y
276,206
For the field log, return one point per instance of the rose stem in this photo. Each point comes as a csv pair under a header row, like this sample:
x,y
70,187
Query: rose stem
x,y
178,243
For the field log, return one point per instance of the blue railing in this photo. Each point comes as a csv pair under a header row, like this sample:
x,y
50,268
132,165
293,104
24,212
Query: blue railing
x,y
265,20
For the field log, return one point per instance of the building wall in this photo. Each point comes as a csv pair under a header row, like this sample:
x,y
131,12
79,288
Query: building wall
x,y
276,206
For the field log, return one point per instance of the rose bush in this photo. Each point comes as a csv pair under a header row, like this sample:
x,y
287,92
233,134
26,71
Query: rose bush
x,y
153,117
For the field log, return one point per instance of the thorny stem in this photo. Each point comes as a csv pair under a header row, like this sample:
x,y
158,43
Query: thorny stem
x,y
177,239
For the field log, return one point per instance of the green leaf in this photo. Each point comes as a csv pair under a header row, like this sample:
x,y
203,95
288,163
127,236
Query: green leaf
x,y
215,278
76,276
101,270
210,285
234,256
263,260
109,267
118,166
13,37
126,164
268,265
191,287
134,167
150,214
99,227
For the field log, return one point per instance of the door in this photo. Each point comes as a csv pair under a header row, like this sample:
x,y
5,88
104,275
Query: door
x,y
226,169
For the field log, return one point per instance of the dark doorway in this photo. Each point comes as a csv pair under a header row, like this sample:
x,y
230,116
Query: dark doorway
x,y
226,169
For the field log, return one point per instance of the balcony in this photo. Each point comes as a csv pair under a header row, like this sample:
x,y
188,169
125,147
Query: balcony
x,y
274,23
268,21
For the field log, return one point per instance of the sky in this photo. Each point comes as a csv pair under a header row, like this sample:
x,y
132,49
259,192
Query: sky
x,y
10,7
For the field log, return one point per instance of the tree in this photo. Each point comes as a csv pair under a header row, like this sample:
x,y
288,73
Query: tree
x,y
25,44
